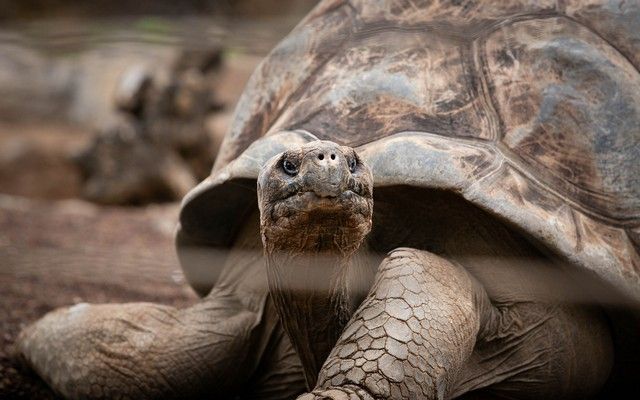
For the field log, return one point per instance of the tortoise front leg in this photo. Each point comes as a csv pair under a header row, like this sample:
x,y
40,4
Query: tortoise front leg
x,y
411,335
145,351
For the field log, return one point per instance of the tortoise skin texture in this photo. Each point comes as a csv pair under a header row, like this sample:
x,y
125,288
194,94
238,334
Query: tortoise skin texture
x,y
507,130
436,320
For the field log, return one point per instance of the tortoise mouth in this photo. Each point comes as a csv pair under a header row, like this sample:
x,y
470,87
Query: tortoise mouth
x,y
309,202
306,221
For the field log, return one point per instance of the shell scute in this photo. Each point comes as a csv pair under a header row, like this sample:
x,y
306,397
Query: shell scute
x,y
392,82
569,104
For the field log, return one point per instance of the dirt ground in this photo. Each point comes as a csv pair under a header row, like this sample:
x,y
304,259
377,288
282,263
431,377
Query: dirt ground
x,y
55,251
58,253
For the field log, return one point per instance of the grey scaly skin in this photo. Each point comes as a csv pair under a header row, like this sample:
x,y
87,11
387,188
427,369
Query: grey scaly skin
x,y
427,327
363,318
229,344
490,126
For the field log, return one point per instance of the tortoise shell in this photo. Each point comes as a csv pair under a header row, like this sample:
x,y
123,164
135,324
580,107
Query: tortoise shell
x,y
529,111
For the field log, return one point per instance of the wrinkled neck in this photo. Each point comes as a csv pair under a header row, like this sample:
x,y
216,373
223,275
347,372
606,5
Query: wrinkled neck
x,y
315,290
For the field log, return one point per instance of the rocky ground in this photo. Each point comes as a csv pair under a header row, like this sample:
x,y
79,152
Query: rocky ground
x,y
58,253
134,75
56,250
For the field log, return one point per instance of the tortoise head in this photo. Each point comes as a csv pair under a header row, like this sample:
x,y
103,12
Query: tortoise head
x,y
316,208
315,198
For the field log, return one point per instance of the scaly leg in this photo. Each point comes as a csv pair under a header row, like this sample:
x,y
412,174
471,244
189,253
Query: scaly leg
x,y
428,330
217,347
229,345
144,350
411,335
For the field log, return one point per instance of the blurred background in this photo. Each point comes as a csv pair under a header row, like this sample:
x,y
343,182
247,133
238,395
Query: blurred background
x,y
110,111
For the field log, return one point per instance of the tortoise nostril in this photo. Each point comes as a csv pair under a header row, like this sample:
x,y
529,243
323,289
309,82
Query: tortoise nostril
x,y
333,156
321,156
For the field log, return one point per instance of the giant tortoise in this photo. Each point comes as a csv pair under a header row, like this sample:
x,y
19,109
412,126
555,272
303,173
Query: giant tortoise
x,y
447,196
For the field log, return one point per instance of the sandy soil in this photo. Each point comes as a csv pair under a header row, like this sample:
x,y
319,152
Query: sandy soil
x,y
65,252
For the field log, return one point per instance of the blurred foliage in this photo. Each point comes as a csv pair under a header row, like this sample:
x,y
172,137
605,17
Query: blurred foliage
x,y
154,25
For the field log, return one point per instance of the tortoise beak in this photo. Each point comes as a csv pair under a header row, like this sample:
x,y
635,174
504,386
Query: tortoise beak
x,y
325,171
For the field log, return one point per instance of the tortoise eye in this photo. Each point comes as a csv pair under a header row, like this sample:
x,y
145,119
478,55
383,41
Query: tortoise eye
x,y
352,164
289,167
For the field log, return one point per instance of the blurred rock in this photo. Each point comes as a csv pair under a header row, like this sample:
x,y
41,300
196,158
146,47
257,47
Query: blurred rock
x,y
217,126
158,147
234,74
33,86
230,82
153,115
77,88
133,89
37,161
103,74
123,165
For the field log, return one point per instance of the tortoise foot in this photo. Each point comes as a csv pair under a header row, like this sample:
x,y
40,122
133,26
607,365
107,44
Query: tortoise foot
x,y
346,392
